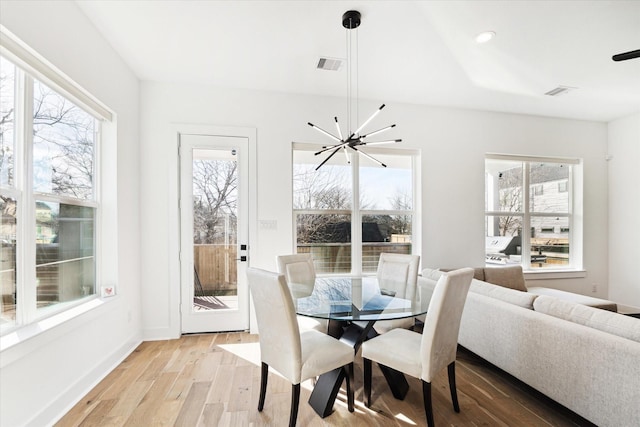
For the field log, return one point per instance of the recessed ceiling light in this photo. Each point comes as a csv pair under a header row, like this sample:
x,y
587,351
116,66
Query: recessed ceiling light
x,y
485,36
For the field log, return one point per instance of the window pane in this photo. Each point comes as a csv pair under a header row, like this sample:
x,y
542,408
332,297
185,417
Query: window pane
x,y
215,228
330,187
546,193
503,241
8,260
503,185
384,233
65,252
7,118
63,145
328,238
549,242
387,188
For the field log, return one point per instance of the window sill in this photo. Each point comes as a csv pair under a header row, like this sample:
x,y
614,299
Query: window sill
x,y
554,274
28,332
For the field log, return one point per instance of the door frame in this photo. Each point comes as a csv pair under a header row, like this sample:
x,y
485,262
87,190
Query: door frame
x,y
174,300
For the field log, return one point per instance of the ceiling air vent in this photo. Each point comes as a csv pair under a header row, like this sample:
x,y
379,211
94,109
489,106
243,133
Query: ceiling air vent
x,y
560,90
331,64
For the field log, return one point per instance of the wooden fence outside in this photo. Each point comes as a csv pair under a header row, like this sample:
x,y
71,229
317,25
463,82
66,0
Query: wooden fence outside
x,y
216,268
216,264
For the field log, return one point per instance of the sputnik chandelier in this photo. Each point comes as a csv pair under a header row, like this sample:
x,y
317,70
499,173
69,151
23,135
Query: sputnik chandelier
x,y
354,141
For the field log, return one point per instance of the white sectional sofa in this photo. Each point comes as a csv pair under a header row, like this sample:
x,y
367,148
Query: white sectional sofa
x,y
585,358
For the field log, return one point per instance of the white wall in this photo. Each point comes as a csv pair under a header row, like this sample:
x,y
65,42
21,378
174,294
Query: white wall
x,y
42,377
453,144
624,210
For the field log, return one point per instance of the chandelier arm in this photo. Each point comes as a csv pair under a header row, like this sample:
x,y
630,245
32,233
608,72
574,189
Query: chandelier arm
x,y
330,148
389,141
368,156
328,157
378,131
346,156
324,132
338,127
367,121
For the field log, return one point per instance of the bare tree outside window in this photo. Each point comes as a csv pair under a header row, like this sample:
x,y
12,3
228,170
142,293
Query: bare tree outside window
x,y
326,189
63,145
510,200
215,199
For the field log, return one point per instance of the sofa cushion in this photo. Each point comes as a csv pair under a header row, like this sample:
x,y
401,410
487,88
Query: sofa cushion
x,y
509,276
432,273
606,321
522,299
577,298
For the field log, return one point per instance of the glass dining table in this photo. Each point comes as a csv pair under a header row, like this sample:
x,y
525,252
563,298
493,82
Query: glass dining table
x,y
352,305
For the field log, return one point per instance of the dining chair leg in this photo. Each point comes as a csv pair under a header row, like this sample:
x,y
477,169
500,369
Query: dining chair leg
x,y
366,367
295,401
264,375
428,408
350,384
452,385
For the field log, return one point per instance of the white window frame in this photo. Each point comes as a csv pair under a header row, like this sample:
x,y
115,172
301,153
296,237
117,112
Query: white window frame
x,y
29,66
356,213
574,215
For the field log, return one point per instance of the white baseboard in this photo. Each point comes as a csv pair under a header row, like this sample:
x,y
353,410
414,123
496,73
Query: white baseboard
x,y
158,334
68,398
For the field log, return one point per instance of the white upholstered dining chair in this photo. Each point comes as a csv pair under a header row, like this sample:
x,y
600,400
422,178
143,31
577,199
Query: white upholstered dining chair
x,y
298,270
424,355
397,273
296,355
300,275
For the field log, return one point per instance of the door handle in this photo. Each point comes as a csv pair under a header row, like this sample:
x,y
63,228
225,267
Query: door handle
x,y
243,258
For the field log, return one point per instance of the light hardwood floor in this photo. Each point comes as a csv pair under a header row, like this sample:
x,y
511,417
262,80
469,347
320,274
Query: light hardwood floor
x,y
213,380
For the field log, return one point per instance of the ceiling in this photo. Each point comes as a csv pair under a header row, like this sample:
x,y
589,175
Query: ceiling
x,y
419,52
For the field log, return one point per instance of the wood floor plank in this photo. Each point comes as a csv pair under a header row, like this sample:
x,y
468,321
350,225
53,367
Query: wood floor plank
x,y
221,391
130,398
166,414
214,380
241,389
206,366
211,414
182,384
153,400
193,405
99,413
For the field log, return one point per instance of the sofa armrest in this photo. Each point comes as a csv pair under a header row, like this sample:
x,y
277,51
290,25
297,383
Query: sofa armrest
x,y
576,298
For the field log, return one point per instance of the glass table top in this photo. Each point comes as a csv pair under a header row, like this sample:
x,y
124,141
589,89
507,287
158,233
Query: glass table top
x,y
353,298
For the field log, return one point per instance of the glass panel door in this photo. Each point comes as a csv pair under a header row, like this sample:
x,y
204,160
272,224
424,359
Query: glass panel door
x,y
213,223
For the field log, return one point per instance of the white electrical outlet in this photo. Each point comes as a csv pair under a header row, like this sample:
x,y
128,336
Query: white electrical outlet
x,y
594,287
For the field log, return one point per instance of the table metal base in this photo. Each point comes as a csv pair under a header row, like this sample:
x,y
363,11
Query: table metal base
x,y
326,389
